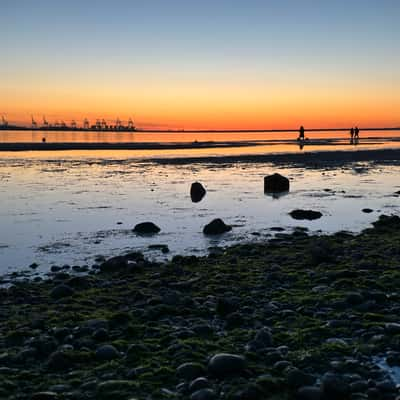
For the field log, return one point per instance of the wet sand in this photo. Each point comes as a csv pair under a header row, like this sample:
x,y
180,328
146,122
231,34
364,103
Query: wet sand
x,y
317,159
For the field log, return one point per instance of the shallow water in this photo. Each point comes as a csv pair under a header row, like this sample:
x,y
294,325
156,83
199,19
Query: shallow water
x,y
180,137
57,211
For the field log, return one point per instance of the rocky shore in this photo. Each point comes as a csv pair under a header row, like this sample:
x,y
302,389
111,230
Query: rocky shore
x,y
297,317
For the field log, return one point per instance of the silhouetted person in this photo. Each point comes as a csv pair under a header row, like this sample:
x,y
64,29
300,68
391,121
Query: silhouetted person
x,y
356,132
351,135
301,133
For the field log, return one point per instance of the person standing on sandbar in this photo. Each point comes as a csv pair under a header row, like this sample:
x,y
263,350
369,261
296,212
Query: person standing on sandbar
x,y
301,133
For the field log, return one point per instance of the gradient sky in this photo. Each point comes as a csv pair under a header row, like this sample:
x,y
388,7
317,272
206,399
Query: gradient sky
x,y
202,64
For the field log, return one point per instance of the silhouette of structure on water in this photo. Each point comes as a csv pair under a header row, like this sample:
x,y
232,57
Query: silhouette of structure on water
x,y
100,125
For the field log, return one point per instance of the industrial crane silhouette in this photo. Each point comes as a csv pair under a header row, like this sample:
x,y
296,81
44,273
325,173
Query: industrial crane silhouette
x,y
45,123
130,124
4,121
118,124
86,124
73,124
34,123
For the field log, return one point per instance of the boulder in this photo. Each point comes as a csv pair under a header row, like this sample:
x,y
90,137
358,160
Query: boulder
x,y
146,228
305,214
216,227
114,264
61,291
276,183
224,364
197,192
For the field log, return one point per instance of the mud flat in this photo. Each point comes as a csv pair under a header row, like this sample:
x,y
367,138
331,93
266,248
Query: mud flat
x,y
295,317
318,159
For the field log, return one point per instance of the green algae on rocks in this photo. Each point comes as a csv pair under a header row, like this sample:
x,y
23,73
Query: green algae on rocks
x,y
288,318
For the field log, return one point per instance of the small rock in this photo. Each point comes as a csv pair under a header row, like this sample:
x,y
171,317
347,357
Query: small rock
x,y
199,383
297,378
367,210
60,361
305,214
107,353
112,388
190,371
114,264
61,291
146,228
392,328
203,394
309,393
44,396
225,306
354,298
334,387
216,227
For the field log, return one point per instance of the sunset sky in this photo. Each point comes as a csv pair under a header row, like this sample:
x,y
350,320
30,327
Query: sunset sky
x,y
231,64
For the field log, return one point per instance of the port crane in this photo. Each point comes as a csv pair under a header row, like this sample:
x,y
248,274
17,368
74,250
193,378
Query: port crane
x,y
86,124
73,124
45,123
34,123
118,124
130,124
4,121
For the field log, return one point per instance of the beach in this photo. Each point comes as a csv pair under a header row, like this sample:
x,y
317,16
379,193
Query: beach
x,y
296,317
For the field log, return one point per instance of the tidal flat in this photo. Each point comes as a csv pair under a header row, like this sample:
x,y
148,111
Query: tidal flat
x,y
71,210
296,317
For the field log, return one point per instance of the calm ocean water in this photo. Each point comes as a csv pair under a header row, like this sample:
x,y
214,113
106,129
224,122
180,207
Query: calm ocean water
x,y
173,137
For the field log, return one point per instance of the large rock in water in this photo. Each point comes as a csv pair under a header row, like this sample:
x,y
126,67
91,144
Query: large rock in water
x,y
305,214
276,183
197,192
146,228
216,227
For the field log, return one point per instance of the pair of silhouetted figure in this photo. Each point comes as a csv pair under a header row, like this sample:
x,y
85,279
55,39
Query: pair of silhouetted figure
x,y
354,134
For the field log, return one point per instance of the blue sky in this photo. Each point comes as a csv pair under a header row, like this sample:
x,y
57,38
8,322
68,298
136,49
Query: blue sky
x,y
66,42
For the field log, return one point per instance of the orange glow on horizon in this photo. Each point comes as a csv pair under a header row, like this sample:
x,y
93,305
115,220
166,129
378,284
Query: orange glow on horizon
x,y
221,107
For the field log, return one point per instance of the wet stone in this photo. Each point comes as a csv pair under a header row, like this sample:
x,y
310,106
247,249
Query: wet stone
x,y
224,364
107,353
189,371
61,291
